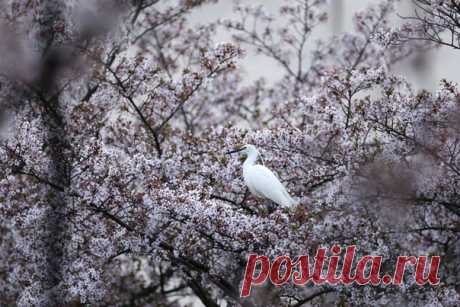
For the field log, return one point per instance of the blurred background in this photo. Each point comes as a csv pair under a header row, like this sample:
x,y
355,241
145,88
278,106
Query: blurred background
x,y
424,71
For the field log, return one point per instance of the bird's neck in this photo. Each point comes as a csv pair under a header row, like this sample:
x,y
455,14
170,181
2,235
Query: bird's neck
x,y
251,159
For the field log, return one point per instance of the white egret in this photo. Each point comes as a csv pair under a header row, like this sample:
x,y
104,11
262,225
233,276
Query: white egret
x,y
261,181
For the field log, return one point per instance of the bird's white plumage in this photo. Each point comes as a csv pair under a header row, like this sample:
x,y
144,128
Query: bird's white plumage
x,y
262,182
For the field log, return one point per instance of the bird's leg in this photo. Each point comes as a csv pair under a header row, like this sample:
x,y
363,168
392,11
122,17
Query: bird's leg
x,y
242,202
246,194
271,207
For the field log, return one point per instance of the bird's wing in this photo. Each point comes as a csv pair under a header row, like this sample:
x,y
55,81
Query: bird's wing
x,y
265,183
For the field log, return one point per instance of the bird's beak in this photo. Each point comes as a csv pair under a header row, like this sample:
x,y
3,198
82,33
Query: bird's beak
x,y
233,151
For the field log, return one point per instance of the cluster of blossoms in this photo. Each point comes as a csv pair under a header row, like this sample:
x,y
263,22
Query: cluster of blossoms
x,y
115,189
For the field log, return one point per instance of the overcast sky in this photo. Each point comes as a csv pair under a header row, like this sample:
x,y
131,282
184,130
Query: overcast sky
x,y
443,63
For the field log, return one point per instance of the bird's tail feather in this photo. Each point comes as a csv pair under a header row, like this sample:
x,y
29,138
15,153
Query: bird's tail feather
x,y
291,202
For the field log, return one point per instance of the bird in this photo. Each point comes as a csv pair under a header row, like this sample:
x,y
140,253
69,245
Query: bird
x,y
261,181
